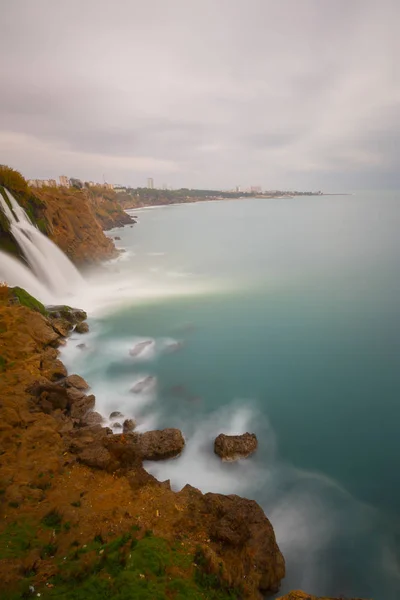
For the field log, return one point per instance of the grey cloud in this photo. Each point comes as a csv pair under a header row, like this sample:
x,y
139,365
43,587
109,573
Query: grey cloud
x,y
202,93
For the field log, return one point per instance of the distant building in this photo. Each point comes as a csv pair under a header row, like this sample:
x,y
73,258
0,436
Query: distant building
x,y
52,183
238,189
109,186
150,183
255,189
64,181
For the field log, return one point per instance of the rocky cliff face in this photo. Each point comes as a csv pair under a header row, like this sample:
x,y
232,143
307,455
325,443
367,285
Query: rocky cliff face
x,y
73,219
75,500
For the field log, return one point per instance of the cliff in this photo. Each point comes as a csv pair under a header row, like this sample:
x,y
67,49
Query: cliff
x,y
74,219
78,509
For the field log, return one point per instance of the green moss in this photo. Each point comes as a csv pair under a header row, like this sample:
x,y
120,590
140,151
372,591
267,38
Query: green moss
x,y
27,300
52,520
3,363
17,539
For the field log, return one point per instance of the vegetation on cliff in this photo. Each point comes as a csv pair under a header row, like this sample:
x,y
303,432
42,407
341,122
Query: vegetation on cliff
x,y
74,219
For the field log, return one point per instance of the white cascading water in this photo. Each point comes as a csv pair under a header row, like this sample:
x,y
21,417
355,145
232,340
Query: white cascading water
x,y
52,275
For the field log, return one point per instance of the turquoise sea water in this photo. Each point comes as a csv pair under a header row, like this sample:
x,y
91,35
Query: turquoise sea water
x,y
287,316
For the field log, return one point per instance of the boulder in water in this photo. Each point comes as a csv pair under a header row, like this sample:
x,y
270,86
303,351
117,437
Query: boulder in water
x,y
116,415
116,425
232,447
161,444
82,327
128,426
144,385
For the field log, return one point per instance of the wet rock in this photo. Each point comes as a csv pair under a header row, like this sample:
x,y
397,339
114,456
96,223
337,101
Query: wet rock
x,y
116,415
144,385
117,237
93,418
160,444
77,382
72,315
82,328
82,346
233,447
128,426
174,347
116,425
138,348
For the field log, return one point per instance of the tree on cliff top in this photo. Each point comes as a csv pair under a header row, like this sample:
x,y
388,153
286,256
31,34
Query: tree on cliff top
x,y
13,180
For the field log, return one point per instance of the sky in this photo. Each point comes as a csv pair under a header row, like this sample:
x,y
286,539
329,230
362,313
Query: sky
x,y
288,94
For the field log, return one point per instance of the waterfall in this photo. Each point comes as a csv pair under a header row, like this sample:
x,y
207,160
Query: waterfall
x,y
52,275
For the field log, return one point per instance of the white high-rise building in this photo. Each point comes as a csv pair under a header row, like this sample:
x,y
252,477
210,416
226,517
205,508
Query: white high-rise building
x,y
150,183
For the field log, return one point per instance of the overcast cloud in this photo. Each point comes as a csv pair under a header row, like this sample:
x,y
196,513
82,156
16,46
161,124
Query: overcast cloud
x,y
203,93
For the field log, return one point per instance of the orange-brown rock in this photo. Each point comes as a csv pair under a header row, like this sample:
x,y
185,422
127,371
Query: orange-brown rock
x,y
232,447
161,444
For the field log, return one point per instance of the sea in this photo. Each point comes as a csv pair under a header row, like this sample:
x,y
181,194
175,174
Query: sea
x,y
279,317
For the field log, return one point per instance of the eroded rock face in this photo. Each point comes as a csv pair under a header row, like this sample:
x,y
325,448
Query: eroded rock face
x,y
233,447
161,444
243,549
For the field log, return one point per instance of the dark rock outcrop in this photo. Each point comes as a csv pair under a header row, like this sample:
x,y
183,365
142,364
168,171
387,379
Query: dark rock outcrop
x,y
232,447
81,328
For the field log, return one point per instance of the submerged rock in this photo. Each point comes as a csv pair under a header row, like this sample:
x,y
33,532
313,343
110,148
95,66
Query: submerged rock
x,y
233,447
82,328
144,385
160,444
116,425
138,348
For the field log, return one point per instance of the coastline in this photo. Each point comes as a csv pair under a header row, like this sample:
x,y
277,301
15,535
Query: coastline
x,y
68,458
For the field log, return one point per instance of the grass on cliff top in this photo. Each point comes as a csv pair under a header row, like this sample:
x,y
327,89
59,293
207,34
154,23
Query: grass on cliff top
x,y
149,568
25,299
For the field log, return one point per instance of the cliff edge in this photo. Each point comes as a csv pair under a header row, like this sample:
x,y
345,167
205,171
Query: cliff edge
x,y
73,219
